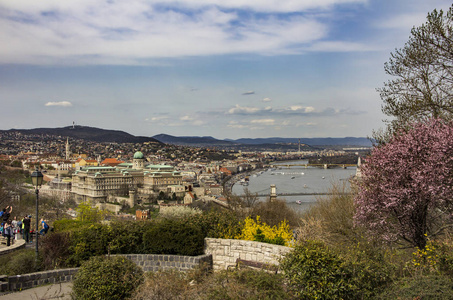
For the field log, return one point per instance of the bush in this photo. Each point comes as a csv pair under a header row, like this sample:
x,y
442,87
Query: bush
x,y
54,249
420,287
314,271
275,212
330,219
174,237
67,224
20,262
106,278
231,284
261,232
178,212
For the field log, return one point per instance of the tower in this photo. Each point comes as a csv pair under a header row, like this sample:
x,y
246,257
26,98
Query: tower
x,y
139,160
68,151
273,194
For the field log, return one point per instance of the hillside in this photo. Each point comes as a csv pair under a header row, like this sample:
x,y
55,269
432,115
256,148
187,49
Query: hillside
x,y
88,134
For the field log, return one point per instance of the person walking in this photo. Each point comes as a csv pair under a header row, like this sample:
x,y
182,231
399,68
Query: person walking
x,y
45,227
26,227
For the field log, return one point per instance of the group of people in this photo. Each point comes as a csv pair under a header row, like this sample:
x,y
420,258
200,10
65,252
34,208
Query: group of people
x,y
14,229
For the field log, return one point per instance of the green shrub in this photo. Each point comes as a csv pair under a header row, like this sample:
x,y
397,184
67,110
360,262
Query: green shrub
x,y
174,237
431,287
20,262
67,224
87,242
106,278
314,271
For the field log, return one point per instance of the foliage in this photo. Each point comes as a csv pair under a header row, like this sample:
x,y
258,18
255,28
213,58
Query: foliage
x,y
217,224
54,249
406,186
433,287
87,213
422,71
274,212
106,278
330,219
313,271
163,285
69,224
231,284
175,212
19,262
261,232
87,242
174,237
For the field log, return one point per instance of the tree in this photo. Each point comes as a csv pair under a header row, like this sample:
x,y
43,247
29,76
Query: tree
x,y
423,72
406,189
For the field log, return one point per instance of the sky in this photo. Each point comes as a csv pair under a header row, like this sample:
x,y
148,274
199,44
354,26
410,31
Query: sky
x,y
228,69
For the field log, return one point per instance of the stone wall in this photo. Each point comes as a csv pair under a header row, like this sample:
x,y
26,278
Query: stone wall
x,y
156,262
148,262
225,252
26,281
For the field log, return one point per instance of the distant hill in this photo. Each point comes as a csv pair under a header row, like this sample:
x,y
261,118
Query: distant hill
x,y
346,141
88,134
191,140
263,142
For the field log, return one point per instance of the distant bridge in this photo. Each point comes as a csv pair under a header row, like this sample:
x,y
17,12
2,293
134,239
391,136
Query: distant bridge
x,y
300,194
325,166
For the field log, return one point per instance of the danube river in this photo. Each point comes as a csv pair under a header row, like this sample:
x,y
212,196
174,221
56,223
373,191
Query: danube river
x,y
296,179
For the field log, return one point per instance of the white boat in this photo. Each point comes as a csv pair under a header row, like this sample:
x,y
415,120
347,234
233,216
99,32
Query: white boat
x,y
299,202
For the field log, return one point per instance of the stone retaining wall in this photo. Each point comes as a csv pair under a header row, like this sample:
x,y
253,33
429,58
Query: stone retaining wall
x,y
225,252
156,262
26,281
148,262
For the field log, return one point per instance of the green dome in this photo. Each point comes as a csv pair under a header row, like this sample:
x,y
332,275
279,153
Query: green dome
x,y
138,155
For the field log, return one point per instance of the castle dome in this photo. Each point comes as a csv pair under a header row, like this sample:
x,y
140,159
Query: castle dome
x,y
138,155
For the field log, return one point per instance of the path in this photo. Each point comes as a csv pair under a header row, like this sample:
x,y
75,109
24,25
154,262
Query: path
x,y
60,291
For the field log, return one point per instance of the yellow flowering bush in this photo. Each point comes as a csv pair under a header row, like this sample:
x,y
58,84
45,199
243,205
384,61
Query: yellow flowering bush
x,y
255,230
424,260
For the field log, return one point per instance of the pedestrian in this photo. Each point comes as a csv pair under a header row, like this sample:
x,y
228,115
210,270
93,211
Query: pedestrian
x,y
8,231
26,225
19,229
45,227
14,226
7,213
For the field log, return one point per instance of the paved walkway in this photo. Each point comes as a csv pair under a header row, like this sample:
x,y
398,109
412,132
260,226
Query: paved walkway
x,y
60,291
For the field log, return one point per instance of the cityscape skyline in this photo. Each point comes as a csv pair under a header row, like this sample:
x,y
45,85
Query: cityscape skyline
x,y
202,68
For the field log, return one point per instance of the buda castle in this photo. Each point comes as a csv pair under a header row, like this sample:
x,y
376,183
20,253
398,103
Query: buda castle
x,y
97,184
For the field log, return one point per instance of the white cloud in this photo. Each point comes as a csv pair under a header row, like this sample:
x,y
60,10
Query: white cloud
x,y
243,110
266,99
248,93
61,103
263,121
186,118
132,32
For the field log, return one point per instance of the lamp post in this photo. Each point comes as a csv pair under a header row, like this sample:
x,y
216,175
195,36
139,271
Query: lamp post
x,y
36,179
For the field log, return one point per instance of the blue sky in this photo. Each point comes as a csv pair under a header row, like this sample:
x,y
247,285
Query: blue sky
x,y
228,69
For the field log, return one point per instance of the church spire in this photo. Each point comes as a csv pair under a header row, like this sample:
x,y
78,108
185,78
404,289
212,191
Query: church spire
x,y
68,151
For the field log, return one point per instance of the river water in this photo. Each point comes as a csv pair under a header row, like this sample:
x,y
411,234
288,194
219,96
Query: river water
x,y
296,179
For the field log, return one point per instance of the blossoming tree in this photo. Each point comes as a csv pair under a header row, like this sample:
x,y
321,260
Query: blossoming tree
x,y
406,189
